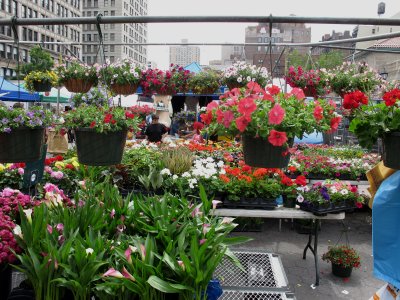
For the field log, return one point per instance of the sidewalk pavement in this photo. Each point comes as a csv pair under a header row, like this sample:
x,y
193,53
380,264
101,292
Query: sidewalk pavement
x,y
301,273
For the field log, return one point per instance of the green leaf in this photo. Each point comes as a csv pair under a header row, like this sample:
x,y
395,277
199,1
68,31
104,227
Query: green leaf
x,y
164,286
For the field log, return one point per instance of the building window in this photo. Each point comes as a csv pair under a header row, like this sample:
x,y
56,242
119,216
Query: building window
x,y
112,36
105,2
113,12
112,59
112,48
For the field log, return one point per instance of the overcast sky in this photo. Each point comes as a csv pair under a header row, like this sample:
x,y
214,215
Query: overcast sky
x,y
234,32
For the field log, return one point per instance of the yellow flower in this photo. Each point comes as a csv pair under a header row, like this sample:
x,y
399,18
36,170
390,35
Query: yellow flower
x,y
2,167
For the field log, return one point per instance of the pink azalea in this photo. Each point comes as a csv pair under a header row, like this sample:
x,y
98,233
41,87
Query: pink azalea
x,y
276,115
113,273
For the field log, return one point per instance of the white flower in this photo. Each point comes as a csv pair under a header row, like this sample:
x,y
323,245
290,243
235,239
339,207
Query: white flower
x,y
28,213
89,251
239,79
344,192
165,171
220,164
300,198
248,78
333,190
186,175
17,231
175,177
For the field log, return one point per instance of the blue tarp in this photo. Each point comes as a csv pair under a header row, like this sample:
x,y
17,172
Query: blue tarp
x,y
313,138
9,92
385,230
194,67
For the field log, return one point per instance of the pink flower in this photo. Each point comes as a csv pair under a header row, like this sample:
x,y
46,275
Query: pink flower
x,y
57,175
242,123
228,118
60,227
112,214
7,192
212,105
227,220
21,171
253,87
215,203
359,204
128,253
298,93
202,241
318,113
49,229
127,275
220,116
113,273
143,251
277,138
206,228
247,106
181,264
276,115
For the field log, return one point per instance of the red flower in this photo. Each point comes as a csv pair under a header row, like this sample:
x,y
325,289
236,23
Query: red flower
x,y
207,118
69,166
286,180
242,123
220,116
113,121
318,113
292,168
301,180
267,96
298,93
277,138
228,117
273,90
92,124
253,87
224,178
335,121
261,172
354,100
107,118
246,169
129,115
359,205
247,106
391,97
276,115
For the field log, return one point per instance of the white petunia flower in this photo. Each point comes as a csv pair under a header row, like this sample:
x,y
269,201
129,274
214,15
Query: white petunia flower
x,y
165,171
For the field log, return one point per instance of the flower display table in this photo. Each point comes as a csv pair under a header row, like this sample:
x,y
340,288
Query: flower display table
x,y
287,213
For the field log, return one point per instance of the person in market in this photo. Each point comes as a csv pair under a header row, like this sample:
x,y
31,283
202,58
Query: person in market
x,y
155,131
195,135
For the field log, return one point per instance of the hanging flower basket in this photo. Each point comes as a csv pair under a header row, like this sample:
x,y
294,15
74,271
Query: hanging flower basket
x,y
21,145
100,149
78,85
391,146
124,89
260,153
42,86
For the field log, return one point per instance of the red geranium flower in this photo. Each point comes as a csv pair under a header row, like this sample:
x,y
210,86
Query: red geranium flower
x,y
129,115
276,115
107,118
286,180
318,113
301,180
277,138
391,97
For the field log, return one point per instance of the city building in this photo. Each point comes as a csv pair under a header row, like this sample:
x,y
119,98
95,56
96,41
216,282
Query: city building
x,y
184,55
119,39
231,54
280,33
151,64
48,33
315,51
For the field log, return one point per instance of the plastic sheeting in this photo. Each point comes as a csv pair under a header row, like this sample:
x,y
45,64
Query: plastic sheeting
x,y
385,230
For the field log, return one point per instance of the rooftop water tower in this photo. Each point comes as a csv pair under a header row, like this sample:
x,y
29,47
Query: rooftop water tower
x,y
381,8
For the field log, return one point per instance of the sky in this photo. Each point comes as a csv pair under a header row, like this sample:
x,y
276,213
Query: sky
x,y
235,32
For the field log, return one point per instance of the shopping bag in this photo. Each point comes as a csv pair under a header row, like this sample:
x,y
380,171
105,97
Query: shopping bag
x,y
57,143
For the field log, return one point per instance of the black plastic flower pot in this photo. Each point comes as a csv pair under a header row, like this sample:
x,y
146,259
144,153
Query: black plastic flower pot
x,y
341,271
21,145
42,86
99,149
391,146
5,280
289,202
260,153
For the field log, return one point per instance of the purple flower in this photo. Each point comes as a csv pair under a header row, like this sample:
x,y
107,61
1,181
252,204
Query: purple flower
x,y
324,193
5,121
7,130
30,114
18,119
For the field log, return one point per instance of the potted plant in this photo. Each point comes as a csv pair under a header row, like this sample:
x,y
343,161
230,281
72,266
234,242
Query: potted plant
x,y
123,76
241,73
343,259
100,132
38,72
268,121
22,133
77,77
204,82
373,121
329,196
180,78
350,77
290,189
40,81
313,82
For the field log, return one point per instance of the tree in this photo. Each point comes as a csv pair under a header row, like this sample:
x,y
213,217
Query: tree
x,y
296,59
41,60
330,60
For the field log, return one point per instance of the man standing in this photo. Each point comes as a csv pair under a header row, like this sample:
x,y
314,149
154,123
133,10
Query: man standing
x,y
155,130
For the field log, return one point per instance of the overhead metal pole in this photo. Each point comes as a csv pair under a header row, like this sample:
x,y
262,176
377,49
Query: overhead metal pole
x,y
201,19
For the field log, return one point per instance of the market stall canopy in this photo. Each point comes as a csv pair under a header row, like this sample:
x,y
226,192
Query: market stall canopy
x,y
194,67
11,92
51,97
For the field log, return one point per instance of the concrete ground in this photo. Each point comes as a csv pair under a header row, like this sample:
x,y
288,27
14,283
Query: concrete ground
x,y
301,273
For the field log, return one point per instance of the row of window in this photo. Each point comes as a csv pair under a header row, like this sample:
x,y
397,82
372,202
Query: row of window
x,y
10,52
11,7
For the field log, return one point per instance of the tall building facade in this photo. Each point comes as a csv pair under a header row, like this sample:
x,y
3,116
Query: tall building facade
x,y
184,55
49,33
280,33
119,39
334,37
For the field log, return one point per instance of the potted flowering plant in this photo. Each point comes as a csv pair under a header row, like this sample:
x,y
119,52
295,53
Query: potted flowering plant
x,y
268,121
343,259
22,133
240,73
329,196
100,132
350,77
40,81
123,76
313,82
290,189
205,82
77,77
373,121
180,78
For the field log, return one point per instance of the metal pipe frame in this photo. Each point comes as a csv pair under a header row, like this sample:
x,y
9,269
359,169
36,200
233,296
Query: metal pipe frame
x,y
201,19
